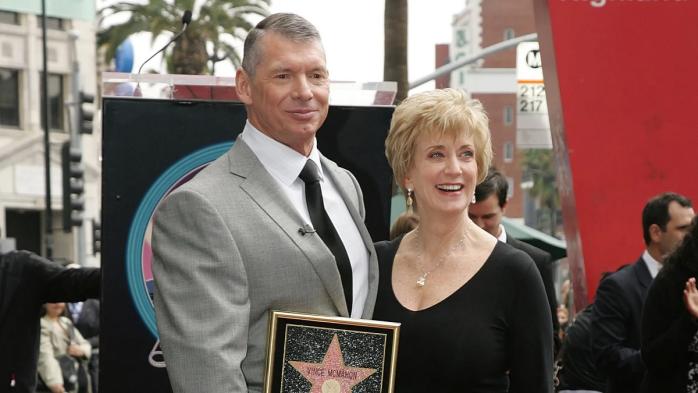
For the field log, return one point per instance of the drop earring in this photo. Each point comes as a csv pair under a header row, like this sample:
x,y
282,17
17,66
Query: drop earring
x,y
473,200
409,201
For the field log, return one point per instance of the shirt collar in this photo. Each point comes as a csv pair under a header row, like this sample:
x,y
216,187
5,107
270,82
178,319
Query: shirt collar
x,y
652,264
281,161
502,234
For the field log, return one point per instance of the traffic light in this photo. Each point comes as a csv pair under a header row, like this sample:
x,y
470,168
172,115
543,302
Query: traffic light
x,y
96,237
73,187
85,113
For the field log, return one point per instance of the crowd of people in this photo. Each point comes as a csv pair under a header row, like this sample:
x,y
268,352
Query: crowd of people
x,y
32,292
477,308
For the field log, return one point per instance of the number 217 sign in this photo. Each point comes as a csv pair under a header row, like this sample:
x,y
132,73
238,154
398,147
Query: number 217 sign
x,y
532,124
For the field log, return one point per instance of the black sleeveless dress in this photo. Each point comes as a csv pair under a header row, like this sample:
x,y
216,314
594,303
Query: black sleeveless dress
x,y
493,334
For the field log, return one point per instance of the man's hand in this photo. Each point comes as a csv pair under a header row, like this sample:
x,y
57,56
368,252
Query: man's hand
x,y
690,297
56,388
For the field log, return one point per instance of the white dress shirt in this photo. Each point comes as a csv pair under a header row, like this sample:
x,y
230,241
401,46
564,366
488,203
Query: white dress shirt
x,y
285,164
502,234
652,264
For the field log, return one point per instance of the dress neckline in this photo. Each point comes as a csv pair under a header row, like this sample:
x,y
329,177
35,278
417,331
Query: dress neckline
x,y
398,241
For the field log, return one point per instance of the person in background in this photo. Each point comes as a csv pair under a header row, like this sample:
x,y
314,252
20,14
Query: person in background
x,y
577,368
270,225
26,282
487,211
670,322
563,308
59,337
616,318
473,310
404,223
85,317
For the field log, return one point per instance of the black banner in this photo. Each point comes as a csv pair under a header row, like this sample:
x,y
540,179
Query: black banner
x,y
152,146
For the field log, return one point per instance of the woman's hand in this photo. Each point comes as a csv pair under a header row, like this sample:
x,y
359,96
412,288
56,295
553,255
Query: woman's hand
x,y
56,388
75,351
690,297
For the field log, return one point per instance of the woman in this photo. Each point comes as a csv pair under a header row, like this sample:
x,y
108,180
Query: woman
x,y
59,337
473,310
670,322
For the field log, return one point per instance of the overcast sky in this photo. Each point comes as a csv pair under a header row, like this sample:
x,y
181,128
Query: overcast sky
x,y
352,32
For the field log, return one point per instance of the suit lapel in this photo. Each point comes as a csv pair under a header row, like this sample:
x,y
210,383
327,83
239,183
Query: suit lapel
x,y
345,186
263,190
643,273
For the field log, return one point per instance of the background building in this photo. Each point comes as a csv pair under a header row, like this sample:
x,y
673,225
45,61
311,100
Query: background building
x,y
492,80
22,174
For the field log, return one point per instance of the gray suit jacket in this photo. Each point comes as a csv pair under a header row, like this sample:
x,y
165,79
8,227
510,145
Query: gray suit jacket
x,y
226,251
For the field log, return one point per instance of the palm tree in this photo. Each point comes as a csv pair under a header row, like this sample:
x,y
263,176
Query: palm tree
x,y
395,46
215,25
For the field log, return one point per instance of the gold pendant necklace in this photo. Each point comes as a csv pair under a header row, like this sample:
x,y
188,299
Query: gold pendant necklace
x,y
422,279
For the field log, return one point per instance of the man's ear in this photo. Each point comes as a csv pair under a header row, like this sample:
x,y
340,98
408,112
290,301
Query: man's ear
x,y
504,206
242,86
655,233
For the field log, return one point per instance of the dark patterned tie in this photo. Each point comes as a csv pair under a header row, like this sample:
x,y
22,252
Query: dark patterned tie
x,y
323,226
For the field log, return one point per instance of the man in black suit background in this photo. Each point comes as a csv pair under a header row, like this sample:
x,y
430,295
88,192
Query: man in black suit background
x,y
26,282
85,317
487,213
616,318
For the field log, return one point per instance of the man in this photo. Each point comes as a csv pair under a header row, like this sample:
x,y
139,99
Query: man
x,y
616,317
85,317
487,213
26,282
252,232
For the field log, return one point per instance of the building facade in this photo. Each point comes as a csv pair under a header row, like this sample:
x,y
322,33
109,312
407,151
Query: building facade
x,y
70,40
492,80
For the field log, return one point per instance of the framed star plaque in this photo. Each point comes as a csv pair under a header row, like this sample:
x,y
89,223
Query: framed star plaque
x,y
319,354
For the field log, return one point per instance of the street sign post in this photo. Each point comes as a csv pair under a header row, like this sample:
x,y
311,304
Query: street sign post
x,y
532,124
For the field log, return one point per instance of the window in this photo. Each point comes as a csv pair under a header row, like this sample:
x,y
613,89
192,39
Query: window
x,y
9,99
55,102
510,191
8,17
508,34
52,23
508,152
508,115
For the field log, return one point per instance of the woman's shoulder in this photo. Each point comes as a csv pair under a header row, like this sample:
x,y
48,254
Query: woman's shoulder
x,y
386,249
45,323
512,258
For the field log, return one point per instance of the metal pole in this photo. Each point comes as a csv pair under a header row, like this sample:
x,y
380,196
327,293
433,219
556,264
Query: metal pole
x,y
470,59
48,235
76,143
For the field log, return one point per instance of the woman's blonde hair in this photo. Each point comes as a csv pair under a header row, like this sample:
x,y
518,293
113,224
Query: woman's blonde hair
x,y
443,112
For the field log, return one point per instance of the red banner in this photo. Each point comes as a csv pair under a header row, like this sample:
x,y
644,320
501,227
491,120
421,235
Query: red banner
x,y
621,90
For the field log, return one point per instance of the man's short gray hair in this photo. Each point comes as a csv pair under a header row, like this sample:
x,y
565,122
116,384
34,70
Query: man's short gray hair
x,y
290,26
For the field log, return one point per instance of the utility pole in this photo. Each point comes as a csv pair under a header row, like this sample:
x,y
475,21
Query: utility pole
x,y
470,59
48,236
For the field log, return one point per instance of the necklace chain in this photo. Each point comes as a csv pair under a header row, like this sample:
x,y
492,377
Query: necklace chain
x,y
422,279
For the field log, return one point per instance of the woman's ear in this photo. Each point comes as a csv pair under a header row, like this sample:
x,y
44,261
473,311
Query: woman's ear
x,y
407,183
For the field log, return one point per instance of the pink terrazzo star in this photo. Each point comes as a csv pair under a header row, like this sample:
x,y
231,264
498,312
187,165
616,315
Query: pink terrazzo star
x,y
332,376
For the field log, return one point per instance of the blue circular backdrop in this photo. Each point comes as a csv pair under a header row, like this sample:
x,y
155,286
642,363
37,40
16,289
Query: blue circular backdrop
x,y
172,178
